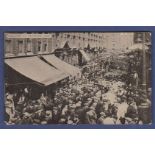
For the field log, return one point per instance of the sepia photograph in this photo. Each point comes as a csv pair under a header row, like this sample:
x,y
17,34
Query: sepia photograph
x,y
74,78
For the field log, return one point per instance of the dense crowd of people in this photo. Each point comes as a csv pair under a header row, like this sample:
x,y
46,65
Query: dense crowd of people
x,y
92,99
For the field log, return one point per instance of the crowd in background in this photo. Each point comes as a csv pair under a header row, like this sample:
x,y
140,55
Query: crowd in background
x,y
95,98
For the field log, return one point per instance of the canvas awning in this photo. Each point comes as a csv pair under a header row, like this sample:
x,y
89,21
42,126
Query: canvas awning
x,y
36,69
86,57
64,44
62,66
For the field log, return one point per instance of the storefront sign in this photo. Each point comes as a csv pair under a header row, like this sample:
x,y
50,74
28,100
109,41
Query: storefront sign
x,y
25,35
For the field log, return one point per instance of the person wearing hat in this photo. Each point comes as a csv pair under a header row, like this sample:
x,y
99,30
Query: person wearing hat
x,y
132,111
9,106
109,120
43,99
91,116
101,118
48,116
21,103
81,111
62,120
121,108
26,119
55,115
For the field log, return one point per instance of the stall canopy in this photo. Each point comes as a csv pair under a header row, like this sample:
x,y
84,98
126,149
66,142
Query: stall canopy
x,y
36,69
62,66
64,45
86,57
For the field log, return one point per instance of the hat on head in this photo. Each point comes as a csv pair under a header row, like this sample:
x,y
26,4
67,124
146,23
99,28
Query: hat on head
x,y
62,120
78,104
26,114
94,104
92,108
102,114
128,119
43,122
70,122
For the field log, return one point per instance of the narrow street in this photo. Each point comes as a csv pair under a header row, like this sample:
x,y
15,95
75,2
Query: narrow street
x,y
79,85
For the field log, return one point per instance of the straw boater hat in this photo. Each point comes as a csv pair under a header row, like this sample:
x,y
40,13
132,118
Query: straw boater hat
x,y
62,120
70,122
26,114
102,114
78,104
92,108
89,99
94,104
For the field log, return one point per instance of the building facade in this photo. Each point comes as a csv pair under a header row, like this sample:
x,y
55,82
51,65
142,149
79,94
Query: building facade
x,y
118,41
139,37
17,44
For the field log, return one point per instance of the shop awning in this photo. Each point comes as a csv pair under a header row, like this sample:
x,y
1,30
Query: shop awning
x,y
86,57
36,69
64,45
62,66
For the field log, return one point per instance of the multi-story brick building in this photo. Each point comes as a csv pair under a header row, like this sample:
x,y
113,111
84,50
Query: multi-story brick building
x,y
17,44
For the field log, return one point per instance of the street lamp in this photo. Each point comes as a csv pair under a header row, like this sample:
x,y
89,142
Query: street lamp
x,y
144,65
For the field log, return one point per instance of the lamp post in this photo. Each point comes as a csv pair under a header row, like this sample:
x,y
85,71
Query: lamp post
x,y
144,65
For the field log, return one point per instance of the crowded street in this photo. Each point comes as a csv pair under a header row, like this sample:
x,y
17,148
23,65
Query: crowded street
x,y
105,88
98,97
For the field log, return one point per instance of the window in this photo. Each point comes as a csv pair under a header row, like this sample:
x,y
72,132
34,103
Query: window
x,y
45,47
8,46
39,45
29,45
20,46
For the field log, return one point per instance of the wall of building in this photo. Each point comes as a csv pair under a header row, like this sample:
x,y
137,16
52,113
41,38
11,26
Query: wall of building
x,y
17,44
34,43
118,41
138,37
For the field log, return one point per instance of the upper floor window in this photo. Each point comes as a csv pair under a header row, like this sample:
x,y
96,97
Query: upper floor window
x,y
45,47
39,45
8,46
29,45
20,46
